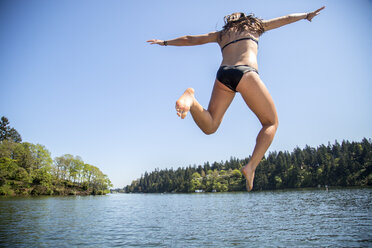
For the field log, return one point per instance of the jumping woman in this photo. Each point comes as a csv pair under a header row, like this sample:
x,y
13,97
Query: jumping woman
x,y
238,73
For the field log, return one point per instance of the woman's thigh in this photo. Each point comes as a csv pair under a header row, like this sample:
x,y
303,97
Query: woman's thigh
x,y
258,98
220,101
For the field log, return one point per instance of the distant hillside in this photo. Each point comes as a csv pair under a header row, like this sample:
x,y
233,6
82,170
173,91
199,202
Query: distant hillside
x,y
28,169
345,164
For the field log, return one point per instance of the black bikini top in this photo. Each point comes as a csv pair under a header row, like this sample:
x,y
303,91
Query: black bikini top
x,y
234,41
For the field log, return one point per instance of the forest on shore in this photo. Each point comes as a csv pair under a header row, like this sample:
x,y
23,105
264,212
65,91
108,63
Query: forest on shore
x,y
346,164
28,169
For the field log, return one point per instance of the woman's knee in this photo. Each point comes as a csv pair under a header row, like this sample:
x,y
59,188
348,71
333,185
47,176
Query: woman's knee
x,y
274,123
210,130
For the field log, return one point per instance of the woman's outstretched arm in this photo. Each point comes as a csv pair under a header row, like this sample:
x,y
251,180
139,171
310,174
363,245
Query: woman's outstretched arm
x,y
188,40
284,20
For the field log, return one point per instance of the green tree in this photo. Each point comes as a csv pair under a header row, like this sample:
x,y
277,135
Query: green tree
x,y
7,132
196,182
27,168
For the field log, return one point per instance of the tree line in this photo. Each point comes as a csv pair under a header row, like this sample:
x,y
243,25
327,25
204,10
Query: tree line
x,y
345,164
28,169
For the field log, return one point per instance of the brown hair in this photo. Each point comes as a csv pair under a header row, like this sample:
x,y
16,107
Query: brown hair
x,y
239,22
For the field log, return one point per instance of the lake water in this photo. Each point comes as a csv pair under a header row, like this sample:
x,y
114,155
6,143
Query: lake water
x,y
298,218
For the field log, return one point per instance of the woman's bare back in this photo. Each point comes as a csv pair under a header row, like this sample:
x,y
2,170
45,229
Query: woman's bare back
x,y
243,52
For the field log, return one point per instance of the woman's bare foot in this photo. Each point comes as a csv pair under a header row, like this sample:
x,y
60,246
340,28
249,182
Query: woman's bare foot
x,y
185,102
248,172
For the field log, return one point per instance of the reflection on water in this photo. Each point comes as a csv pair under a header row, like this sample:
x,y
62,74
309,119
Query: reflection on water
x,y
339,217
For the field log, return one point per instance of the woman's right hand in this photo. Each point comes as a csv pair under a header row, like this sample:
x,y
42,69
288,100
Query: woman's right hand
x,y
155,41
311,15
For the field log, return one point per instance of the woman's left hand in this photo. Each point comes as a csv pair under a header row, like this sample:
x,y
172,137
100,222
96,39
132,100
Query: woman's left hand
x,y
155,41
311,15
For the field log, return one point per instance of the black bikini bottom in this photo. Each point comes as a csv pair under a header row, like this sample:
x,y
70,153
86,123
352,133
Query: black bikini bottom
x,y
230,75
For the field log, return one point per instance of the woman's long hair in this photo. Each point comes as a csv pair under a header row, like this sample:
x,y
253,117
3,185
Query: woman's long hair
x,y
239,22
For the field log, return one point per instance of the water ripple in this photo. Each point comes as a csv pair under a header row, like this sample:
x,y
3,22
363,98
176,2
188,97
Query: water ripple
x,y
302,218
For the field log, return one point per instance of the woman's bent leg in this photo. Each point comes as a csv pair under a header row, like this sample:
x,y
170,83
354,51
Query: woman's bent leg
x,y
258,99
207,120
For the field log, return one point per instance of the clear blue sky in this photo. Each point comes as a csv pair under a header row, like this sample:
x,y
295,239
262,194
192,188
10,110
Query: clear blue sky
x,y
79,78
